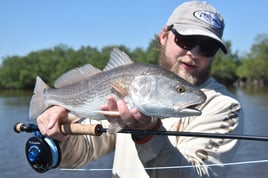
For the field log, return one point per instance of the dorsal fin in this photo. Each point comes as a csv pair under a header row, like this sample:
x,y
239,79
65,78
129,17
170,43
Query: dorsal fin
x,y
117,58
75,75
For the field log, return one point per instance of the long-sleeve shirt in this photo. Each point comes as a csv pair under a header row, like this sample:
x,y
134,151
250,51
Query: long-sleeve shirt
x,y
164,156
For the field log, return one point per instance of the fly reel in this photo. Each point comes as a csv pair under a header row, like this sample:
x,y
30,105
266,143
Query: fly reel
x,y
42,153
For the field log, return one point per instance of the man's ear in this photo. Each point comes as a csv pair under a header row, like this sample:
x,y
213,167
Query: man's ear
x,y
163,35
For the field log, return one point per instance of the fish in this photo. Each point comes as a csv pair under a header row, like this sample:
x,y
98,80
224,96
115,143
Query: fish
x,y
153,90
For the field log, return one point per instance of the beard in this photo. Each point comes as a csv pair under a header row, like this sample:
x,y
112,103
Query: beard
x,y
197,77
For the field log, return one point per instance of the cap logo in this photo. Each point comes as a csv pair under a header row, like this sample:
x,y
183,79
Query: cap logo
x,y
208,17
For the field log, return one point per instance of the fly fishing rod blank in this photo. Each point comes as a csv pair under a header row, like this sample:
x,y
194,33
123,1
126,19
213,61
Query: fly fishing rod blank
x,y
97,130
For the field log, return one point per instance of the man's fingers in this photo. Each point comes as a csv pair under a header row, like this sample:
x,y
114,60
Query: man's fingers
x,y
111,103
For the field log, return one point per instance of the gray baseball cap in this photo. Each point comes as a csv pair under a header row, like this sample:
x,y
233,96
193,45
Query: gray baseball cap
x,y
198,18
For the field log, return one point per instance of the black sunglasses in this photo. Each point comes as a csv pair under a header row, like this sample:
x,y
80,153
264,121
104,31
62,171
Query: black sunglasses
x,y
207,47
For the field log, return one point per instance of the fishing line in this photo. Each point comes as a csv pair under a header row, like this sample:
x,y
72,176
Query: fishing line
x,y
168,167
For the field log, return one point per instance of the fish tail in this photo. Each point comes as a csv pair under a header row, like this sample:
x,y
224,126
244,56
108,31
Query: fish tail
x,y
38,102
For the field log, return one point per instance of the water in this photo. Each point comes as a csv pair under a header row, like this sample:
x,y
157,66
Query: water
x,y
13,163
255,104
14,108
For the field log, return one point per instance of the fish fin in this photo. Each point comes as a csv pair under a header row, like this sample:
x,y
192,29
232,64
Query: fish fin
x,y
113,128
119,89
117,58
76,75
37,103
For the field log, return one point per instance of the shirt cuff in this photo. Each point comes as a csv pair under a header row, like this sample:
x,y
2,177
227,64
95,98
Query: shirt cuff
x,y
144,138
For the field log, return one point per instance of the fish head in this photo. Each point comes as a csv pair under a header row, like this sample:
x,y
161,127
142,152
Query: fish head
x,y
165,96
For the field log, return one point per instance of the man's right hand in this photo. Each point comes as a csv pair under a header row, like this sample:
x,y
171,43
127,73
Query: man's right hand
x,y
50,120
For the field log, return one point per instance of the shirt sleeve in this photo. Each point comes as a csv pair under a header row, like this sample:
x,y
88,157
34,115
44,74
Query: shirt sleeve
x,y
87,148
220,114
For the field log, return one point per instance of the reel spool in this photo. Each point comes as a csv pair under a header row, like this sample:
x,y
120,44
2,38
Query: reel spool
x,y
42,153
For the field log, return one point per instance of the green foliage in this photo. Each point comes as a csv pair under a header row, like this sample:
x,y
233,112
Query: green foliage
x,y
224,66
254,65
20,72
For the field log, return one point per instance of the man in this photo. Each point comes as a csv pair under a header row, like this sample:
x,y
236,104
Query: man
x,y
188,43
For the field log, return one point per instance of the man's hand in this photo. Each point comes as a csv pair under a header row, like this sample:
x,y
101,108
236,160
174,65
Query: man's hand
x,y
50,120
128,119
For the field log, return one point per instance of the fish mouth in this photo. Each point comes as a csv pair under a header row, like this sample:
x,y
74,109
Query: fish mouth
x,y
194,108
191,111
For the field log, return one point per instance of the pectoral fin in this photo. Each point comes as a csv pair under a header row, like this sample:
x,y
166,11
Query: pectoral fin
x,y
119,89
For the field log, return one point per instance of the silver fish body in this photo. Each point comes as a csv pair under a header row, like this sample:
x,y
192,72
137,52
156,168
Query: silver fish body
x,y
153,90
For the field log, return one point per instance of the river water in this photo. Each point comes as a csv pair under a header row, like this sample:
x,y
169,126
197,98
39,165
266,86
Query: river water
x,y
13,163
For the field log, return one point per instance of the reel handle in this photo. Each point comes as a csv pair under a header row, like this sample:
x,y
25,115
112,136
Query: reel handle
x,y
67,129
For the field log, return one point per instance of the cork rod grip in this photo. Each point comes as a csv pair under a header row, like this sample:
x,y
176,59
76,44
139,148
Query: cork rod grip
x,y
67,129
81,129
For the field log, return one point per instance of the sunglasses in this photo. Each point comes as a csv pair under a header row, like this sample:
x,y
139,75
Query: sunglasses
x,y
207,47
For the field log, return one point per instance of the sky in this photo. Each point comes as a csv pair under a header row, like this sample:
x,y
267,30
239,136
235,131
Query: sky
x,y
32,25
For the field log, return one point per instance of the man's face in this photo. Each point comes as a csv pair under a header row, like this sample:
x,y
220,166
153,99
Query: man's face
x,y
188,64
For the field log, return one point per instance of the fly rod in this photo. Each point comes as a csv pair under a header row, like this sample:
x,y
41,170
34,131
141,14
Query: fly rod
x,y
97,130
43,153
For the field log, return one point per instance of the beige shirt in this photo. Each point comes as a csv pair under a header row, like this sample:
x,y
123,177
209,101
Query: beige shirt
x,y
161,155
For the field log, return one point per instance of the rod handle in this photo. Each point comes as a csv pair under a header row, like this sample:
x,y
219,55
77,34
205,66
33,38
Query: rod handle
x,y
67,129
21,127
81,129
18,127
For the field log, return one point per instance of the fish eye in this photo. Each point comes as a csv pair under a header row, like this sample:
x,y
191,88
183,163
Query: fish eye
x,y
180,89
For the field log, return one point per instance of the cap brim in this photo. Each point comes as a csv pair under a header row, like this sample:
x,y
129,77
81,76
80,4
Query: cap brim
x,y
184,29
